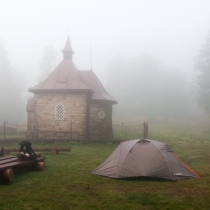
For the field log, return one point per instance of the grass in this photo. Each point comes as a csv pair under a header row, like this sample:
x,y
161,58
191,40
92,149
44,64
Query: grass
x,y
13,136
66,183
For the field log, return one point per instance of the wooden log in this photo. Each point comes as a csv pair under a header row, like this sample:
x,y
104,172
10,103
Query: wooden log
x,y
1,151
6,160
54,151
6,157
39,166
49,149
7,175
8,163
16,162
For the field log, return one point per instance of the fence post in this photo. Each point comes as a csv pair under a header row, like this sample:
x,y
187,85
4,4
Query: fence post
x,y
145,130
4,129
125,130
71,129
122,127
37,131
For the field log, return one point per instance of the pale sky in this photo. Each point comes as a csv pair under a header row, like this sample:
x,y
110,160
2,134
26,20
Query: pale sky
x,y
170,30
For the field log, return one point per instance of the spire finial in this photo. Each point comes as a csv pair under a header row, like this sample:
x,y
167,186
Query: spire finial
x,y
90,57
67,50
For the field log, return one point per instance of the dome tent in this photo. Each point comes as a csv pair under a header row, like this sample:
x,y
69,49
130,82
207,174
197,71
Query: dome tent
x,y
144,158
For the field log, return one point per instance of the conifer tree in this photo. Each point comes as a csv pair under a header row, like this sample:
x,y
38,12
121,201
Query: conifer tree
x,y
202,65
11,101
48,63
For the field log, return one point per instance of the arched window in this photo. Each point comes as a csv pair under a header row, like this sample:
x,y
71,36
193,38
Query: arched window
x,y
59,112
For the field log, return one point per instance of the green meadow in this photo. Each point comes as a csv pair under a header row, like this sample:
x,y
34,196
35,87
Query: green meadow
x,y
67,182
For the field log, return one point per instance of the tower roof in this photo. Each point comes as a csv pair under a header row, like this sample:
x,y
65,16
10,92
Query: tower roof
x,y
67,50
66,77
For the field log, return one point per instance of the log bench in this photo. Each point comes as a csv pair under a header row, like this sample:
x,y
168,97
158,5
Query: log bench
x,y
8,163
53,151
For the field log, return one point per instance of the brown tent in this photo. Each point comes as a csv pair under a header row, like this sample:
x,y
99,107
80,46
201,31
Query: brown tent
x,y
144,158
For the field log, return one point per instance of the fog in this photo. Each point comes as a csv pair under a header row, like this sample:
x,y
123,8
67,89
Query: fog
x,y
104,34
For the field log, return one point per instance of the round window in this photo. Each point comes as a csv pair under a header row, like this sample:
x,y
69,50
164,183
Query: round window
x,y
101,115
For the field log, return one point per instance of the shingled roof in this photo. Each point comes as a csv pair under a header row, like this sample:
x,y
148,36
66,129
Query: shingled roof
x,y
66,77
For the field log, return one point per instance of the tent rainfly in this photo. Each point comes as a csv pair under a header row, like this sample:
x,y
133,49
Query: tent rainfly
x,y
144,158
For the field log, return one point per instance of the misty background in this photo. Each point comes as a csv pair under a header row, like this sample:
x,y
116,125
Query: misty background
x,y
142,51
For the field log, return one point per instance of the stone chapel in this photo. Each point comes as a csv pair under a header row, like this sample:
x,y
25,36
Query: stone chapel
x,y
69,104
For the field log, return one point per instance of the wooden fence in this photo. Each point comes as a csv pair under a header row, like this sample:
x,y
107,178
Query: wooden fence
x,y
9,130
120,131
123,130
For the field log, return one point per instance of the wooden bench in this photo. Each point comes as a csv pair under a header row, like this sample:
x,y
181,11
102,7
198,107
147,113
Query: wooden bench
x,y
8,163
53,151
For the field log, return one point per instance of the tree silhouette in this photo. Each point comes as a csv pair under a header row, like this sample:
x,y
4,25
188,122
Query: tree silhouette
x,y
11,102
202,65
143,87
48,63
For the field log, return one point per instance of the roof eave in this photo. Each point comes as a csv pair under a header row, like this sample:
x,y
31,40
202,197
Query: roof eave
x,y
59,90
104,101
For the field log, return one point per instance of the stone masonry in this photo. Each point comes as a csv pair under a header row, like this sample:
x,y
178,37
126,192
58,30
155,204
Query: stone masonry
x,y
70,104
100,128
75,112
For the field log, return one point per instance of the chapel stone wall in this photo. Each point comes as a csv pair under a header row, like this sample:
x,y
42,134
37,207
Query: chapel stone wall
x,y
100,127
75,116
31,131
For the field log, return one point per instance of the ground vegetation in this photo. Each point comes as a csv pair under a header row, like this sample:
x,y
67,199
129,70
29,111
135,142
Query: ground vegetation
x,y
67,182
